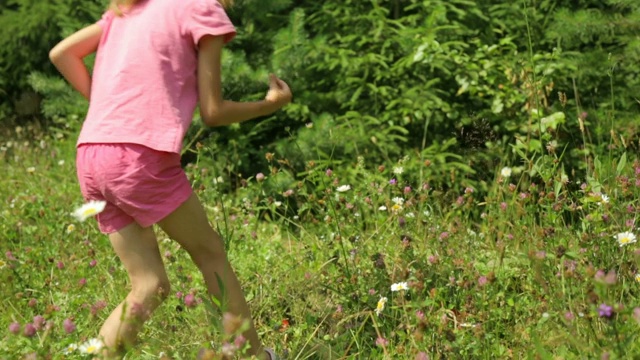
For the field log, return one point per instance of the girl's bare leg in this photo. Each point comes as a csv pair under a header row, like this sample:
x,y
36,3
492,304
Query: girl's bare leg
x,y
138,250
189,226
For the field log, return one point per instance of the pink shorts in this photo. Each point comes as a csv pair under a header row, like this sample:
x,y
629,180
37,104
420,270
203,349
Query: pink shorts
x,y
138,183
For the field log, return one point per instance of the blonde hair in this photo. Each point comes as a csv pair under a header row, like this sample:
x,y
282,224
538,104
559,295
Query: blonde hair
x,y
117,5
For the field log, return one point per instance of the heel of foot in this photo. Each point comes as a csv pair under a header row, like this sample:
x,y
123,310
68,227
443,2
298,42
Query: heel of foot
x,y
271,353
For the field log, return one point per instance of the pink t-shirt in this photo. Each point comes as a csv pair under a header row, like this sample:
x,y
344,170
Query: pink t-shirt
x,y
144,84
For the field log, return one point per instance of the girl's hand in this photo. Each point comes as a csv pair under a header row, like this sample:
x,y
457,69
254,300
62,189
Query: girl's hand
x,y
279,93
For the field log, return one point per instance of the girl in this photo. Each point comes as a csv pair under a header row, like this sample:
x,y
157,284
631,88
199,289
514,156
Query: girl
x,y
156,59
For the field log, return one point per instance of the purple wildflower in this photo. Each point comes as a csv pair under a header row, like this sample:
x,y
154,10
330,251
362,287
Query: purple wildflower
x,y
605,311
29,330
38,322
68,326
380,341
14,328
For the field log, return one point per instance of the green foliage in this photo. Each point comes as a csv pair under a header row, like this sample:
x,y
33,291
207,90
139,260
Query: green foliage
x,y
601,44
386,79
28,30
61,103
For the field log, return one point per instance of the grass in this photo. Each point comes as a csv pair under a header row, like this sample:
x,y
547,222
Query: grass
x,y
530,268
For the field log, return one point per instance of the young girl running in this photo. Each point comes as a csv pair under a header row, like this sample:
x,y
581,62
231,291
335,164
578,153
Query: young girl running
x,y
156,59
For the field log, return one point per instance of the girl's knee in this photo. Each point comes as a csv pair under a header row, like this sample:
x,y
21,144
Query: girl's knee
x,y
151,289
210,251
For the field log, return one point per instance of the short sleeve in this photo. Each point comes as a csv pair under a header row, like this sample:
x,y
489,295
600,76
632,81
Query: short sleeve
x,y
208,17
106,19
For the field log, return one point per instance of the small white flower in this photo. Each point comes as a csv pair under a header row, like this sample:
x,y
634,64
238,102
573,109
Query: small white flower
x,y
277,203
396,208
92,346
637,277
400,286
545,315
625,238
380,305
61,162
70,228
89,209
426,213
604,199
343,188
410,215
505,172
398,200
218,180
70,349
228,349
382,208
31,169
398,170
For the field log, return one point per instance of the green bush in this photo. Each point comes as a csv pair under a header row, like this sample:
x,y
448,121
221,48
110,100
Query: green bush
x,y
387,79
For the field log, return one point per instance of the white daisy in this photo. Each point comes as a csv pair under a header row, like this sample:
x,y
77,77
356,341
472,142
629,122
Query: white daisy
x,y
71,348
399,286
92,346
505,172
398,170
396,208
625,238
380,305
92,208
398,200
382,208
604,199
343,188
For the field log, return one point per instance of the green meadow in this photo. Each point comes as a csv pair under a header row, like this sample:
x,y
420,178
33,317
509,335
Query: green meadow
x,y
531,269
454,179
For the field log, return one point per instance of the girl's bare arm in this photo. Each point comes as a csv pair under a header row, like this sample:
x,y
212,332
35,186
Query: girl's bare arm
x,y
68,57
216,111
